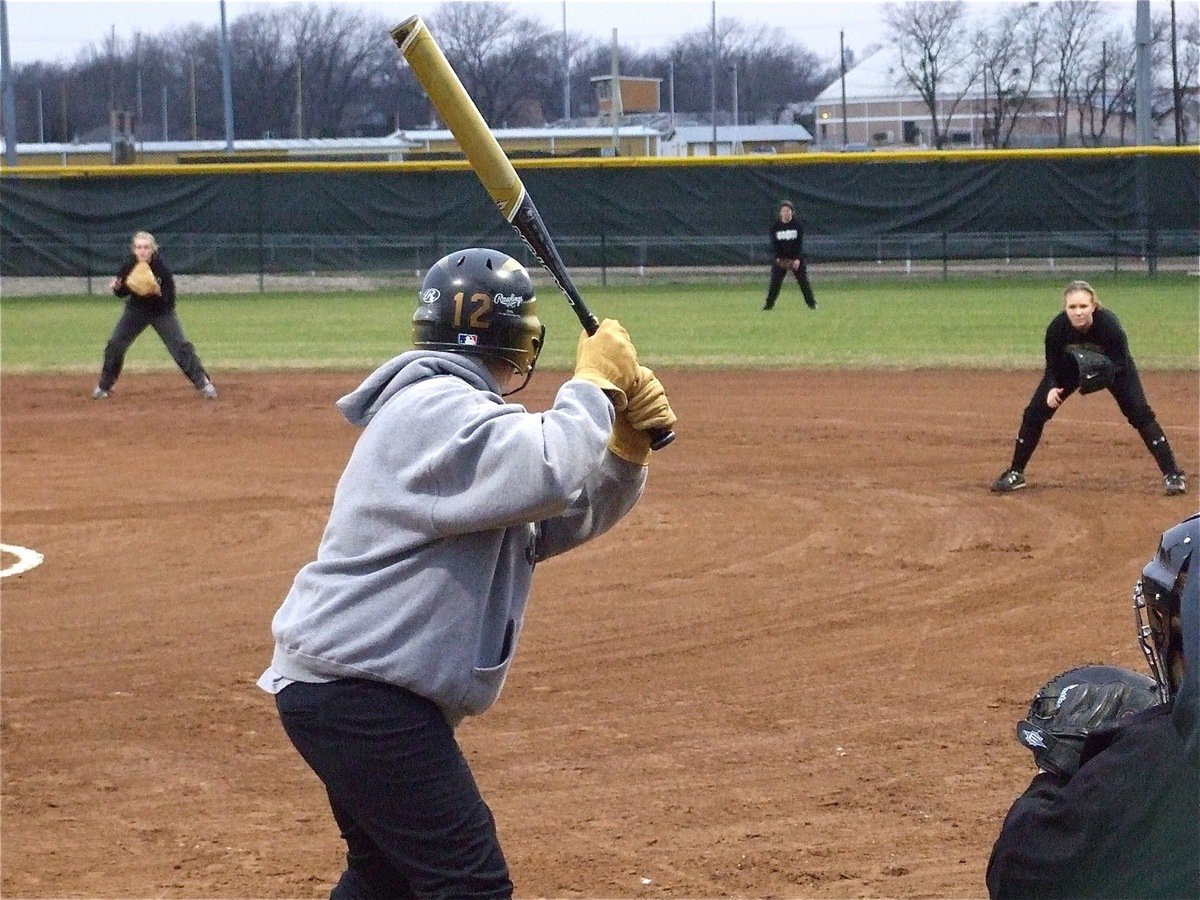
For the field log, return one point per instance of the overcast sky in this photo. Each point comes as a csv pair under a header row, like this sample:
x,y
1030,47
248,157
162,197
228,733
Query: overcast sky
x,y
58,30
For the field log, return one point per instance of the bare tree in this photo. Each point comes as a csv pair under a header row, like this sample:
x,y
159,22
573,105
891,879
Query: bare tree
x,y
265,78
935,55
1105,88
1012,55
502,58
1182,69
1072,30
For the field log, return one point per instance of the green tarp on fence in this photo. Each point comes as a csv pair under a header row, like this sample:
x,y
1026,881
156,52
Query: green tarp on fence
x,y
396,217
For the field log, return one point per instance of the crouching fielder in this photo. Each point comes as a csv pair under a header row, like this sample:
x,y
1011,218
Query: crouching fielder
x,y
408,619
1084,331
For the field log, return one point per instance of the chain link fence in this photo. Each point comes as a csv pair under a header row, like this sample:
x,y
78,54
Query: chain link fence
x,y
299,261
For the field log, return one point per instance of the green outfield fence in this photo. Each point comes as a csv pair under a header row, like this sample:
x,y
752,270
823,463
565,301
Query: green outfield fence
x,y
1133,206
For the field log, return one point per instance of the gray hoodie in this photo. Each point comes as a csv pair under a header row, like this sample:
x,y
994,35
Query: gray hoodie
x,y
449,498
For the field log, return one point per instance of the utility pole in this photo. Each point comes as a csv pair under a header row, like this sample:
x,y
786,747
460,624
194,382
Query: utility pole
x,y
615,103
1176,92
671,87
226,82
9,99
299,117
192,92
734,141
1142,85
712,67
842,65
137,62
566,67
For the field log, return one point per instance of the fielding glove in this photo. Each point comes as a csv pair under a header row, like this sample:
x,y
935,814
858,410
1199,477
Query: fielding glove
x,y
608,360
647,408
1072,705
142,282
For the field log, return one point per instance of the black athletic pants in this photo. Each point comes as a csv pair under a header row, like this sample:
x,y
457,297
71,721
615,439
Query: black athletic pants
x,y
135,319
1131,400
409,809
777,275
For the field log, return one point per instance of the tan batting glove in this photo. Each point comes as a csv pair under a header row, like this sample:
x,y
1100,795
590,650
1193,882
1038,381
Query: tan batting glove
x,y
647,408
629,443
608,360
647,405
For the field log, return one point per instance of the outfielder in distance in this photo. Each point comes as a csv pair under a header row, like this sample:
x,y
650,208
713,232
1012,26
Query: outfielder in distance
x,y
1086,349
787,248
1125,822
408,619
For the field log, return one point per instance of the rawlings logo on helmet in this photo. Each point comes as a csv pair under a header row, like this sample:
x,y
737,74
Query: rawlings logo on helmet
x,y
510,303
431,295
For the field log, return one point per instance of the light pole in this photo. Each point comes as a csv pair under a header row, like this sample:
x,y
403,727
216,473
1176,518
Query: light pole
x,y
671,87
734,146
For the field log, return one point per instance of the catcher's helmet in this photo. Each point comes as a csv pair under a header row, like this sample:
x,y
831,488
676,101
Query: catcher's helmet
x,y
1157,599
480,302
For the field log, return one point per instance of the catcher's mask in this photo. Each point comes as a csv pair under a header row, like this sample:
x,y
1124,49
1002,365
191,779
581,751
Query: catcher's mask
x,y
1157,600
481,303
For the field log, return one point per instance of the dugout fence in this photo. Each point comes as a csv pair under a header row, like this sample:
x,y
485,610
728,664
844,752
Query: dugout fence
x,y
1131,206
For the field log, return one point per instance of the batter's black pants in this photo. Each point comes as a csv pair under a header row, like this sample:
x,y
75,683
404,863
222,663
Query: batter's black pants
x,y
409,809
777,275
1131,400
135,319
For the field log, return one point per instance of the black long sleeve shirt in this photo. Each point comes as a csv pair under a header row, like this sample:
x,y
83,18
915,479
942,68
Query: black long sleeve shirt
x,y
1104,336
1126,825
787,239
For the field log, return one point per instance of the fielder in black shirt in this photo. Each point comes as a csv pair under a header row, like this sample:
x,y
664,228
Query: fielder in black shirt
x,y
1127,824
1084,323
787,247
148,287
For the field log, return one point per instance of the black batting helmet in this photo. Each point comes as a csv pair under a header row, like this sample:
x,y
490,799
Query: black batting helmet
x,y
1158,605
481,303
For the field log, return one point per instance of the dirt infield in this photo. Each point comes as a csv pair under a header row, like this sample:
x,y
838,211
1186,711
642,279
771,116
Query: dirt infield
x,y
793,671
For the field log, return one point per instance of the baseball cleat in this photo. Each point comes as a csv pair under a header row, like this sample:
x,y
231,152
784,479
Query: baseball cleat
x,y
209,391
1175,483
99,393
1012,480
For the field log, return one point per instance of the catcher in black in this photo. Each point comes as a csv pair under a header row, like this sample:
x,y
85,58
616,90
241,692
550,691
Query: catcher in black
x,y
1087,350
149,288
1118,814
787,247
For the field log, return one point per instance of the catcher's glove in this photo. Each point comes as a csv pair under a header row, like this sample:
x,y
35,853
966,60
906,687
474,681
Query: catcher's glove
x,y
142,282
1076,703
1096,371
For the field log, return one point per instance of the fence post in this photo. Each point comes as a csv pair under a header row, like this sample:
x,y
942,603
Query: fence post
x,y
258,204
603,254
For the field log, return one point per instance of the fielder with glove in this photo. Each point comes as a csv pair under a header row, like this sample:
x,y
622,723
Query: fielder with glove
x,y
787,249
409,617
1087,350
149,288
1114,810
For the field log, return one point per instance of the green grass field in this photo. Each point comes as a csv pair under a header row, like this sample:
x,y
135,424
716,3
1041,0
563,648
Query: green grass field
x,y
901,323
